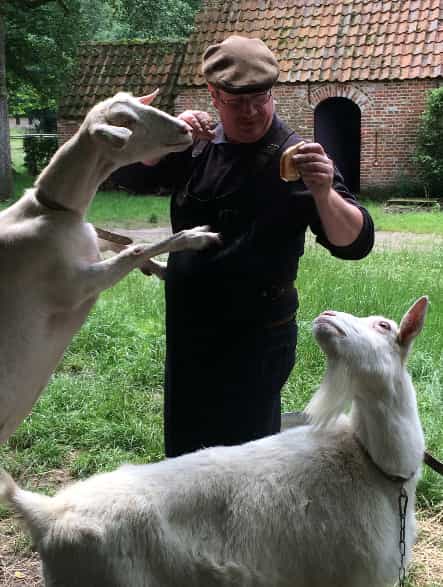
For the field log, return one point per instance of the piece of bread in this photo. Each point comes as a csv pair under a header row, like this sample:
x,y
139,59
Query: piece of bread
x,y
288,171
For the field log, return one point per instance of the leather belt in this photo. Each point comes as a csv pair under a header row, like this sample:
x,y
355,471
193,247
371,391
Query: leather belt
x,y
280,322
274,292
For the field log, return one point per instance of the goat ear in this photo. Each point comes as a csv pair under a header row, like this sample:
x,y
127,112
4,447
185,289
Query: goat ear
x,y
114,136
149,98
413,321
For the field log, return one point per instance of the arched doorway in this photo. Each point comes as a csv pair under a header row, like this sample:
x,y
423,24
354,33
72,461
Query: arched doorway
x,y
337,123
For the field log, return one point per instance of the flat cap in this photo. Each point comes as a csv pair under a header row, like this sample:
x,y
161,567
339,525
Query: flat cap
x,y
240,65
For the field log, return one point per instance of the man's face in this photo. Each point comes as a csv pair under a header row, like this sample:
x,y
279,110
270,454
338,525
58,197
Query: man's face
x,y
245,117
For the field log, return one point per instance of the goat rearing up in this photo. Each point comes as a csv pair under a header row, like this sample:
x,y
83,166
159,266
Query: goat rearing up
x,y
315,505
51,272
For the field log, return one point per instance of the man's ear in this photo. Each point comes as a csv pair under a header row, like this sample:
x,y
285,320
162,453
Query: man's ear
x,y
114,136
214,95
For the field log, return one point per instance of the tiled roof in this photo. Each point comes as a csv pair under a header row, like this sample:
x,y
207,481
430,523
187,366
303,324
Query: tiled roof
x,y
328,40
139,67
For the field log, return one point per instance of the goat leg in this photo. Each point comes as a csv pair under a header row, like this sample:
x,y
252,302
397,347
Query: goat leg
x,y
96,277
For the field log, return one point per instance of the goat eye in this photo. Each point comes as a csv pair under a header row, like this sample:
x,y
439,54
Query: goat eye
x,y
384,325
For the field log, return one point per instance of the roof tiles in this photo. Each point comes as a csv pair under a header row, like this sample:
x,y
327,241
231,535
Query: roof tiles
x,y
328,40
103,69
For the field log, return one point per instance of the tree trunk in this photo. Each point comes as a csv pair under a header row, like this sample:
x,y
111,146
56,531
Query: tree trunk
x,y
6,185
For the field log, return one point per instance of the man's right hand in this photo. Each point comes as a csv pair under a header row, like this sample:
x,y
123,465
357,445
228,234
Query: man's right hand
x,y
200,122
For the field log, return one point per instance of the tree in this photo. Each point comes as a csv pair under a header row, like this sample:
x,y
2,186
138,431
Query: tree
x,y
429,151
27,45
164,18
40,51
6,185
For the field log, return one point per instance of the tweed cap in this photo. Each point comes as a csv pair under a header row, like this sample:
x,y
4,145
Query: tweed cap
x,y
240,65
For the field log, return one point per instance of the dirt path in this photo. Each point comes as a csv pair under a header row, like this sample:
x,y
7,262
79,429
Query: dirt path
x,y
383,239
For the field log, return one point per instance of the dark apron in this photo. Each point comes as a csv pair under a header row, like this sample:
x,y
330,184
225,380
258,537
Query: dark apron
x,y
223,377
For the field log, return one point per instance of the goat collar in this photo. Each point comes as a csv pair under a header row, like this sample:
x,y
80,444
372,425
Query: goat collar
x,y
42,199
394,478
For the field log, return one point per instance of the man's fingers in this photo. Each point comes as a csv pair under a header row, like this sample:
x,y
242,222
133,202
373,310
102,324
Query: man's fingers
x,y
312,148
200,122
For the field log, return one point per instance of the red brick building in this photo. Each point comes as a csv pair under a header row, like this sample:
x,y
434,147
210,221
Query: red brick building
x,y
354,73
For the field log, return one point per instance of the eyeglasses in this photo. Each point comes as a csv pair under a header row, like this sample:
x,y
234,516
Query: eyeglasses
x,y
259,99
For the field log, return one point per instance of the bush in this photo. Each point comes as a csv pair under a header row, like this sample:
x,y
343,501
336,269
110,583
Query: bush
x,y
402,187
429,152
38,152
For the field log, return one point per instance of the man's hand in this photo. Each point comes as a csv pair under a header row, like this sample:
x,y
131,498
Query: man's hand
x,y
341,220
316,169
200,122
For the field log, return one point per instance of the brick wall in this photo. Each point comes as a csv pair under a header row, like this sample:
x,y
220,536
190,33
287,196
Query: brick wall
x,y
390,112
65,129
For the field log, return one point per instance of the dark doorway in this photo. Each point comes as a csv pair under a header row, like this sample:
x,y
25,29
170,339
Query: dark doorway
x,y
337,127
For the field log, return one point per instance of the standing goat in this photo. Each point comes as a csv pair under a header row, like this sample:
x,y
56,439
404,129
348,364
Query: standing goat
x,y
51,272
315,505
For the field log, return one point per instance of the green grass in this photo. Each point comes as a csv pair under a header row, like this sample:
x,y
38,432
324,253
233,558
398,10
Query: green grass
x,y
420,222
111,208
104,404
119,208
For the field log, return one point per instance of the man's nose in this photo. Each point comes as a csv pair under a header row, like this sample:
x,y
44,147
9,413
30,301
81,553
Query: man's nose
x,y
247,107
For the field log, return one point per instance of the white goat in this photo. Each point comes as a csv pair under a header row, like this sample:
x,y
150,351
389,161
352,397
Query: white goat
x,y
315,505
51,272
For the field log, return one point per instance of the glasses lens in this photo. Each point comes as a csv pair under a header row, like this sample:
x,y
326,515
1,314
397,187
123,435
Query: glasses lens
x,y
254,100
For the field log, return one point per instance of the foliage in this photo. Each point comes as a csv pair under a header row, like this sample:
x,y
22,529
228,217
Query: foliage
x,y
429,151
38,152
403,186
41,43
166,18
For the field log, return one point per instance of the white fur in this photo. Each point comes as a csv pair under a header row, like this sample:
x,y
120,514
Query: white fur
x,y
304,508
50,268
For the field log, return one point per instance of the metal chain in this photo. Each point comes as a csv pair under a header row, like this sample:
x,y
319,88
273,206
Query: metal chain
x,y
402,507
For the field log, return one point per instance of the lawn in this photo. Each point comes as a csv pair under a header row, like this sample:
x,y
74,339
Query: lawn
x,y
103,405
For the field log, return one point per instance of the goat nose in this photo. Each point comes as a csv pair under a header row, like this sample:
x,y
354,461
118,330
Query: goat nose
x,y
329,313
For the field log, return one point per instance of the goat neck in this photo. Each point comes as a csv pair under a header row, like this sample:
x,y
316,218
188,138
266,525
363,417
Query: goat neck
x,y
385,420
74,174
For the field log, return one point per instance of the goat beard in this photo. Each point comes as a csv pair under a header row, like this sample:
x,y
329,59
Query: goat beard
x,y
331,399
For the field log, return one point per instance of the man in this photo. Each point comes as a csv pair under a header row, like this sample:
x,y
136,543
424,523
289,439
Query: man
x,y
230,310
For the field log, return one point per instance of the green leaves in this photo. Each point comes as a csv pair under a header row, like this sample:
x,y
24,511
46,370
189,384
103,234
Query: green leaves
x,y
429,152
41,42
